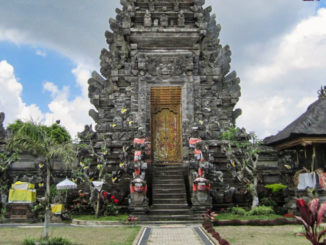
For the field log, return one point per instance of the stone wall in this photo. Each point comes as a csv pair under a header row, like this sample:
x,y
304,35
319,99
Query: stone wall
x,y
167,43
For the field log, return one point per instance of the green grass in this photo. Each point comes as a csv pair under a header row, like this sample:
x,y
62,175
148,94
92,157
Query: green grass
x,y
121,218
266,235
77,235
229,216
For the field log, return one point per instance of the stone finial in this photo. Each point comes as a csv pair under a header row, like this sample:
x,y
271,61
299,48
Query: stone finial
x,y
322,92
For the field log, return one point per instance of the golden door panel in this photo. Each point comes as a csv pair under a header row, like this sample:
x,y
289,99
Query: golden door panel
x,y
166,133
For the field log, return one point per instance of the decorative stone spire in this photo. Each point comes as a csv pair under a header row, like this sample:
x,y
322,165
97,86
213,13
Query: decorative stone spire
x,y
322,92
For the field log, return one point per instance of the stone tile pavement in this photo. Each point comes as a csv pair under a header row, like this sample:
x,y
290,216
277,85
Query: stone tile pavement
x,y
174,235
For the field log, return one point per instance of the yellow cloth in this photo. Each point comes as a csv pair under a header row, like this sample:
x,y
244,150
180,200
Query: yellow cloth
x,y
57,208
26,196
22,186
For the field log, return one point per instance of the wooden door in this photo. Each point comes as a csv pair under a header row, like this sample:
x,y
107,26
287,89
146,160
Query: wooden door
x,y
166,124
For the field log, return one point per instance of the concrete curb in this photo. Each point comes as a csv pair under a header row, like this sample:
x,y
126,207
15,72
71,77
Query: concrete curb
x,y
100,223
211,238
139,236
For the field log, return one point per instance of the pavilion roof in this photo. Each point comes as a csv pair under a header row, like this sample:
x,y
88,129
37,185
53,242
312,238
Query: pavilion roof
x,y
312,123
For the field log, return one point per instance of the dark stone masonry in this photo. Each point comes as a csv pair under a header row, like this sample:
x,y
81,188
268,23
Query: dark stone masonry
x,y
157,45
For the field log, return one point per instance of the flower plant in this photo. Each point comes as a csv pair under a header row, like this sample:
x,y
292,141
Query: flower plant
x,y
208,217
311,216
110,204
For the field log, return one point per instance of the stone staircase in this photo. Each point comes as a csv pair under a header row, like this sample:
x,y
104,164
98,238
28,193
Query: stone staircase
x,y
169,196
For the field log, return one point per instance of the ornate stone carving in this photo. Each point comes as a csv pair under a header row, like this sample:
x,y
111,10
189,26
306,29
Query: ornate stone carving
x,y
164,20
163,65
147,19
181,19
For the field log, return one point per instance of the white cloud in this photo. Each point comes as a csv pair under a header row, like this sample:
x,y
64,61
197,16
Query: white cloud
x,y
259,114
73,114
302,49
305,102
13,35
51,87
82,74
40,53
10,93
280,88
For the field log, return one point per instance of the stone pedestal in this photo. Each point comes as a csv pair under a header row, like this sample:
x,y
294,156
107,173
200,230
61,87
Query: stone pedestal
x,y
20,212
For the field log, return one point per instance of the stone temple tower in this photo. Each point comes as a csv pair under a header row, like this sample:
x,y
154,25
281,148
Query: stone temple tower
x,y
165,76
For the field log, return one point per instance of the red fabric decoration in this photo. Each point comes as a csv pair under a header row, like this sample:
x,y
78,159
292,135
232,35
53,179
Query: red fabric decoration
x,y
139,141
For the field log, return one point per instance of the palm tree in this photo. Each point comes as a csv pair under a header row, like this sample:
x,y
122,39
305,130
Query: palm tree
x,y
33,138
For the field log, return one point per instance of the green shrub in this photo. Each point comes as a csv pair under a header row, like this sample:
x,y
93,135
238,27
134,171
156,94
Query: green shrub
x,y
267,201
238,211
29,241
51,241
276,187
261,210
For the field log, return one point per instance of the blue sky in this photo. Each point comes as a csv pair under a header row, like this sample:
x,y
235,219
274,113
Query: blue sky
x,y
36,65
270,52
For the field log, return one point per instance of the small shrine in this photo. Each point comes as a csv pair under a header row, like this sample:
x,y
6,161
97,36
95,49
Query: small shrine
x,y
304,142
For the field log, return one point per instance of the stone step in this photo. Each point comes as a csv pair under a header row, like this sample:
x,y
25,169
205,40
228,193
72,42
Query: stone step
x,y
169,186
170,211
171,181
167,191
175,166
167,201
169,206
185,217
168,177
166,195
168,170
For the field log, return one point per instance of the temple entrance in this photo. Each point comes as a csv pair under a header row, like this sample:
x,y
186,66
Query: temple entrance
x,y
166,124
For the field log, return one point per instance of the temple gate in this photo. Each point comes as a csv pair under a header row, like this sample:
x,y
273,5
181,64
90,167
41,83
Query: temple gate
x,y
165,78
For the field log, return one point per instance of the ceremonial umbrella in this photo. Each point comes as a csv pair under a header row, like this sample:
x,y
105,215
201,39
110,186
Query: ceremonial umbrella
x,y
66,185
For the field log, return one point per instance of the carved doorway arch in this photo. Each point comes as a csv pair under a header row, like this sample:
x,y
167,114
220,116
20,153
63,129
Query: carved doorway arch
x,y
166,124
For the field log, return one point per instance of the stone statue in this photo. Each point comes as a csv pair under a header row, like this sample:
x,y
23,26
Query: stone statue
x,y
181,19
164,20
156,22
147,19
138,186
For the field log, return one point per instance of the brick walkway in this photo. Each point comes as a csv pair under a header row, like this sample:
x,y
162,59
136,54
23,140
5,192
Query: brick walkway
x,y
174,235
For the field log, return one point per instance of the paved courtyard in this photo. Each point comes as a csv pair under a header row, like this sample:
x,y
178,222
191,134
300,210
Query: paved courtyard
x,y
174,235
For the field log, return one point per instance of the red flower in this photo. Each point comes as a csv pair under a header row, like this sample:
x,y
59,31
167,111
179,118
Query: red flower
x,y
115,201
288,215
105,194
112,197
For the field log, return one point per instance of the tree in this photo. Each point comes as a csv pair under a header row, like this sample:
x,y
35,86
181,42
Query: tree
x,y
35,139
92,165
5,162
242,151
58,133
